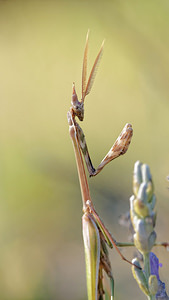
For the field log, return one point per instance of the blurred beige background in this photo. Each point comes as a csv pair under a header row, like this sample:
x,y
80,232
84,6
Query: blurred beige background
x,y
41,52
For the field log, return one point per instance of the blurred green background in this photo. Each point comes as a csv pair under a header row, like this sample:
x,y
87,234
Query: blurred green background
x,y
41,52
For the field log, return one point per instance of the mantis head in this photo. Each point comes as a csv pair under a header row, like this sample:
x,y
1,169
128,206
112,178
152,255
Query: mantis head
x,y
78,107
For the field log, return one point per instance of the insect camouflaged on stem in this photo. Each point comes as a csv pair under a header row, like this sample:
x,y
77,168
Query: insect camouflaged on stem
x,y
77,110
92,224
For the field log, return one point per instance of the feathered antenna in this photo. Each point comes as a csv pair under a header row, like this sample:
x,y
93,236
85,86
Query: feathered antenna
x,y
87,88
84,70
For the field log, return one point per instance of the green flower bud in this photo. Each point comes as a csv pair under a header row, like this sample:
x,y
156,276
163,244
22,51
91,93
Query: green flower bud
x,y
152,203
141,244
153,284
151,240
139,276
146,175
142,193
144,245
141,209
137,177
150,191
135,220
144,237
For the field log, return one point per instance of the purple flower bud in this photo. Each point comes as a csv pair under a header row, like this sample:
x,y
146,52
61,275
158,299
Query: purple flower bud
x,y
154,268
154,265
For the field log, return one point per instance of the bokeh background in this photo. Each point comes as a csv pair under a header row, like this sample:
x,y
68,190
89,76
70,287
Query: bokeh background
x,y
41,52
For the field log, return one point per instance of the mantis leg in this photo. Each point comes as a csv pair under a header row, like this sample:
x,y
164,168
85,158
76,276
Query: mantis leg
x,y
119,148
108,237
112,288
84,149
105,263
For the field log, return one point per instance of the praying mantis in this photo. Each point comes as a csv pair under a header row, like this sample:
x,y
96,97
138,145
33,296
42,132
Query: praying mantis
x,y
77,110
97,259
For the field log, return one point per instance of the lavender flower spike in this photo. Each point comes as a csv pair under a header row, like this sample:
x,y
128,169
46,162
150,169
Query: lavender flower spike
x,y
154,269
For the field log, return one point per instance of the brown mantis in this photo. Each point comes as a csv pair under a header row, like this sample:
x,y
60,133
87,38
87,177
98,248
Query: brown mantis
x,y
90,218
77,110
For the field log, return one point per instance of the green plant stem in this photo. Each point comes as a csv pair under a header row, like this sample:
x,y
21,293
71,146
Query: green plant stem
x,y
159,244
146,265
151,297
118,244
147,272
